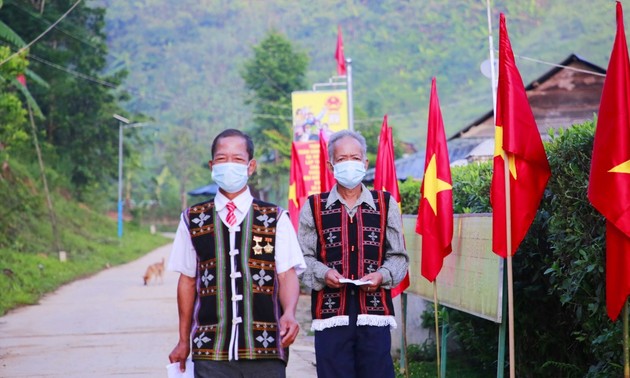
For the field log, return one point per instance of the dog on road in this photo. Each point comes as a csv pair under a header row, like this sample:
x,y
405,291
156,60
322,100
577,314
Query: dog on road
x,y
154,272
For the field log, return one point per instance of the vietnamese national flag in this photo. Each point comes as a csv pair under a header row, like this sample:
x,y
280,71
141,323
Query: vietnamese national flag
x,y
385,179
297,189
517,138
326,177
609,182
339,56
435,211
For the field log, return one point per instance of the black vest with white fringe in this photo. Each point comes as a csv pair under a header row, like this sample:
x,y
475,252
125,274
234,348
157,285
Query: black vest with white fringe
x,y
355,247
237,307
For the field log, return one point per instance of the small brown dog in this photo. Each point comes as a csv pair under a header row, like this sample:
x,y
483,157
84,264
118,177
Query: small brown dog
x,y
154,272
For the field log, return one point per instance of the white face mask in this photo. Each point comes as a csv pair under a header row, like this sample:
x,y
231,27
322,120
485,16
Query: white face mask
x,y
350,173
231,177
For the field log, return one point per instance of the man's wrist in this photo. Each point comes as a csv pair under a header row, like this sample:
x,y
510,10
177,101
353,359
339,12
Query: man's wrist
x,y
386,276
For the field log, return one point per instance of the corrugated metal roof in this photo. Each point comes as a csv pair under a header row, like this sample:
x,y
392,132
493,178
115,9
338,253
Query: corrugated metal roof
x,y
413,165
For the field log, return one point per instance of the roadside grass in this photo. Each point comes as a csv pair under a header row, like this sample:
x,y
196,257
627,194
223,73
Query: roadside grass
x,y
422,364
30,267
456,367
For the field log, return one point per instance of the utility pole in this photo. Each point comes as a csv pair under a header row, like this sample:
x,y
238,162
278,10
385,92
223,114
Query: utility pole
x,y
122,121
51,210
350,99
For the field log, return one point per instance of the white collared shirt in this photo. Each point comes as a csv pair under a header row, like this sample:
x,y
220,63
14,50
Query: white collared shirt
x,y
183,258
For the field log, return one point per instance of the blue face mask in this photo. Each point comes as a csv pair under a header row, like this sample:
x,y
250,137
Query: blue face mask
x,y
231,177
349,174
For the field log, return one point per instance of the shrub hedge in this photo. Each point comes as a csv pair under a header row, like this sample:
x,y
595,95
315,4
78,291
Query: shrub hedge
x,y
561,326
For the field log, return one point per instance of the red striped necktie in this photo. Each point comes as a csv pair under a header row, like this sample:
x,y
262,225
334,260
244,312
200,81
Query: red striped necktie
x,y
231,217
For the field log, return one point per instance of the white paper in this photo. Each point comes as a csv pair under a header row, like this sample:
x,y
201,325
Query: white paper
x,y
356,282
174,372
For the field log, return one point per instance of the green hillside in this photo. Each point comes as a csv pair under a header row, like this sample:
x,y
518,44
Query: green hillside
x,y
184,57
30,263
185,61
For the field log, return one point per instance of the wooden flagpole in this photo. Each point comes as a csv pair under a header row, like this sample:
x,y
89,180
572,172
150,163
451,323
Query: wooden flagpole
x,y
437,327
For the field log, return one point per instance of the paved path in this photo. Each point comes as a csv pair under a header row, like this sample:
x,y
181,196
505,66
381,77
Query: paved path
x,y
110,325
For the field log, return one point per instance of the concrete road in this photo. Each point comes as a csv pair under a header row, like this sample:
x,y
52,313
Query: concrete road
x,y
111,325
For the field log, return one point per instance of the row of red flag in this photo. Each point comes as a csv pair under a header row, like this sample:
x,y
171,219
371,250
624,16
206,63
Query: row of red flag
x,y
519,153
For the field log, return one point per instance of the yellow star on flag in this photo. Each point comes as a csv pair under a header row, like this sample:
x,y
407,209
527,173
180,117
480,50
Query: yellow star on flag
x,y
621,168
498,150
293,194
433,185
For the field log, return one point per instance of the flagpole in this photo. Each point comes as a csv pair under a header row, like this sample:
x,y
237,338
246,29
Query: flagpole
x,y
508,239
626,356
437,327
349,87
492,69
508,210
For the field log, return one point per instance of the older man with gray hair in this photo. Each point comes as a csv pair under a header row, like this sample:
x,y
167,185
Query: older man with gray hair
x,y
353,246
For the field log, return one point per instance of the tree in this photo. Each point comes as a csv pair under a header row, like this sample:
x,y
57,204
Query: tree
x,y
78,105
275,71
14,133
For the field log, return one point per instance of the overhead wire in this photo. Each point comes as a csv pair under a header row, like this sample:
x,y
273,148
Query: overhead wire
x,y
28,45
175,100
43,20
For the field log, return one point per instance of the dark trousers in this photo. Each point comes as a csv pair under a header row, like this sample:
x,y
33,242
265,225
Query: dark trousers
x,y
354,351
240,369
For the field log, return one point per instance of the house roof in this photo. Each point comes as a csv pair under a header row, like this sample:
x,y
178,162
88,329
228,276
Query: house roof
x,y
205,191
576,82
538,90
412,166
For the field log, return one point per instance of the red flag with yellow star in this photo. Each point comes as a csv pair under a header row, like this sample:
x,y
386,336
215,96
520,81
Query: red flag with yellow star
x,y
297,189
609,182
326,177
435,210
385,178
517,139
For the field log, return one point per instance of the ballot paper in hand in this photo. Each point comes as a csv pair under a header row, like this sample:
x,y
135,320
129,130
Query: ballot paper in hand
x,y
356,282
174,372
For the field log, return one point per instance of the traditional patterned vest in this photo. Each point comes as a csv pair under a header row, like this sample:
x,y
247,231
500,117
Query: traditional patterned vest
x,y
354,247
237,308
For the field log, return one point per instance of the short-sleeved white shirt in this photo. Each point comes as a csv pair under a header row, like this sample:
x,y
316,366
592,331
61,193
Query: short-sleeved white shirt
x,y
183,258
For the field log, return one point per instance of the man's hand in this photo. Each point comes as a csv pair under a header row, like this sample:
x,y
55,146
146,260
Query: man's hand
x,y
377,280
332,279
289,329
180,354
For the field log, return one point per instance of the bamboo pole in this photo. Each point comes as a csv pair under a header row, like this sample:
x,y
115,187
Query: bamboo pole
x,y
437,327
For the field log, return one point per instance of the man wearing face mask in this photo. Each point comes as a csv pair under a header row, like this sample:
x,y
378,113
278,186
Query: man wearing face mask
x,y
352,233
238,259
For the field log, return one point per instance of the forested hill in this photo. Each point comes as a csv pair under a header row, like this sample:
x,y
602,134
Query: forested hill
x,y
184,57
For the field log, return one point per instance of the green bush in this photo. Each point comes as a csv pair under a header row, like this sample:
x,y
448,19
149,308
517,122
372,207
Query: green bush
x,y
561,326
471,188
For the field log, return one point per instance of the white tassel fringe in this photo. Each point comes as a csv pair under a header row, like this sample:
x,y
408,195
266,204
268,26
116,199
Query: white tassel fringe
x,y
362,320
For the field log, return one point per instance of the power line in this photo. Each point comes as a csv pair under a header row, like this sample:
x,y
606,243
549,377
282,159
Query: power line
x,y
73,72
44,21
41,35
561,66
